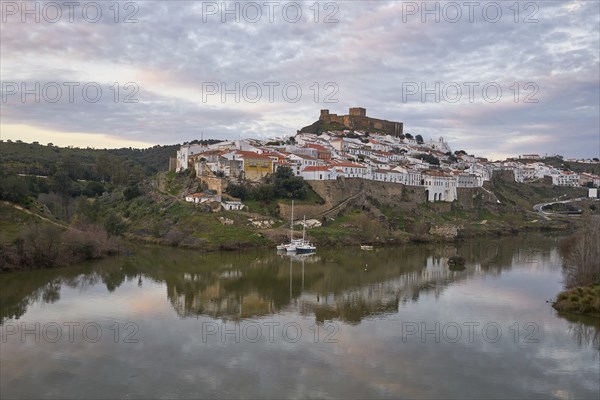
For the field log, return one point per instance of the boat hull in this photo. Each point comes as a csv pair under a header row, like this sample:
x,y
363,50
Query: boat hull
x,y
305,249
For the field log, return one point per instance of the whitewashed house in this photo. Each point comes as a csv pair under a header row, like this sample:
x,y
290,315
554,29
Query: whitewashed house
x,y
232,205
199,198
319,173
184,153
565,178
351,170
301,161
440,186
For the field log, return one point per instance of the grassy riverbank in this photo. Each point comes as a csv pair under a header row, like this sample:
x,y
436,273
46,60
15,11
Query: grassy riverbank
x,y
156,213
581,268
579,300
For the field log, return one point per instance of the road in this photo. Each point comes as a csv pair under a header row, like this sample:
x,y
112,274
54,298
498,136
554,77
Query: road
x,y
539,208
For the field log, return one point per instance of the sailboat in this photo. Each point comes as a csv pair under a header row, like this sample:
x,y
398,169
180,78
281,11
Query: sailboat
x,y
305,247
291,246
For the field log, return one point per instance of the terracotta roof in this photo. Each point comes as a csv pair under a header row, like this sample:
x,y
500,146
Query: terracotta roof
x,y
306,157
316,146
348,164
252,155
314,168
436,173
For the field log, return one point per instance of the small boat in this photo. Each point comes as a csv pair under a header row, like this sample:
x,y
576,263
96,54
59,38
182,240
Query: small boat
x,y
291,246
366,247
305,246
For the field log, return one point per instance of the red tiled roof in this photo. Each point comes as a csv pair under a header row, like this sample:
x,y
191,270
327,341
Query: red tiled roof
x,y
252,155
316,168
306,157
316,146
348,164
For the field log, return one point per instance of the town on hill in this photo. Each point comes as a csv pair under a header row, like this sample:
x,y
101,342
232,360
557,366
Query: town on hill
x,y
365,148
356,179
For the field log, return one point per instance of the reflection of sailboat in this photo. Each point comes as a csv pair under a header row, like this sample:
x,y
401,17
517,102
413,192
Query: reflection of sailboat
x,y
305,247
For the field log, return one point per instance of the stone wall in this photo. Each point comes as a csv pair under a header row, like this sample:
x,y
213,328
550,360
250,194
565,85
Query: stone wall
x,y
214,183
357,119
467,197
344,192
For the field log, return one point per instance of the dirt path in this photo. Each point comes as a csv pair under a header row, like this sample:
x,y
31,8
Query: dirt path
x,y
34,214
338,206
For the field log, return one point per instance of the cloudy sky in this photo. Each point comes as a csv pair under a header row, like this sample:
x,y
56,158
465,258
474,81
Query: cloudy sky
x,y
493,78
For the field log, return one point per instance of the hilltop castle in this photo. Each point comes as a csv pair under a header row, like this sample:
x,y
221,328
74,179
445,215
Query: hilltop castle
x,y
357,119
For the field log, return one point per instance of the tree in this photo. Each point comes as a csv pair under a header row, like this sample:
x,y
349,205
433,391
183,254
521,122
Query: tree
x,y
264,192
131,192
408,136
429,158
287,185
113,224
61,182
419,139
93,188
237,190
581,254
13,188
88,211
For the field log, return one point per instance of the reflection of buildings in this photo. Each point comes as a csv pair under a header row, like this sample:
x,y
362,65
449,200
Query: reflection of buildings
x,y
193,298
333,284
354,304
342,289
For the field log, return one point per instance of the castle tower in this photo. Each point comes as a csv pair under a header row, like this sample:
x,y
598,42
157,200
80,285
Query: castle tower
x,y
357,112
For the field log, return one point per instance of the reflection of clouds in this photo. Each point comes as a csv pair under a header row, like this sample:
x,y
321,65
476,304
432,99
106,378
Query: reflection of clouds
x,y
369,359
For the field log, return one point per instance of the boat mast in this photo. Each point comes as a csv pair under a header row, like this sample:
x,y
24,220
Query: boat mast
x,y
304,229
292,224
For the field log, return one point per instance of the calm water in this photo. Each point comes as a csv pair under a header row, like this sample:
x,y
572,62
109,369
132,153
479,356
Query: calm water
x,y
392,323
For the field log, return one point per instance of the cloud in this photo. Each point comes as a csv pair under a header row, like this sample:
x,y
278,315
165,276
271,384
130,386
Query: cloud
x,y
365,59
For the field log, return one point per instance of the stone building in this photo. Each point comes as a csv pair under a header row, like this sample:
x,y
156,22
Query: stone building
x,y
357,119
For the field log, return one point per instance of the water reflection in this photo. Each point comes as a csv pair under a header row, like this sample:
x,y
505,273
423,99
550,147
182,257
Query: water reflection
x,y
585,330
173,295
346,284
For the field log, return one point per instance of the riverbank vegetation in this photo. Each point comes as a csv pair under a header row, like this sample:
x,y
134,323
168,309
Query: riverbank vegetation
x,y
581,266
45,245
63,205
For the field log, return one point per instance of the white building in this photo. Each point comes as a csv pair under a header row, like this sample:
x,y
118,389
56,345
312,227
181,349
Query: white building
x,y
351,170
565,178
468,180
440,145
301,161
199,198
232,205
439,186
319,173
185,152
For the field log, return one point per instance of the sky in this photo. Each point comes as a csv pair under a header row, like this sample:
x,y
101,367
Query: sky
x,y
495,78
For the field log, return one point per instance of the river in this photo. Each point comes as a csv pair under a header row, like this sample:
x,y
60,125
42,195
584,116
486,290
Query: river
x,y
388,323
